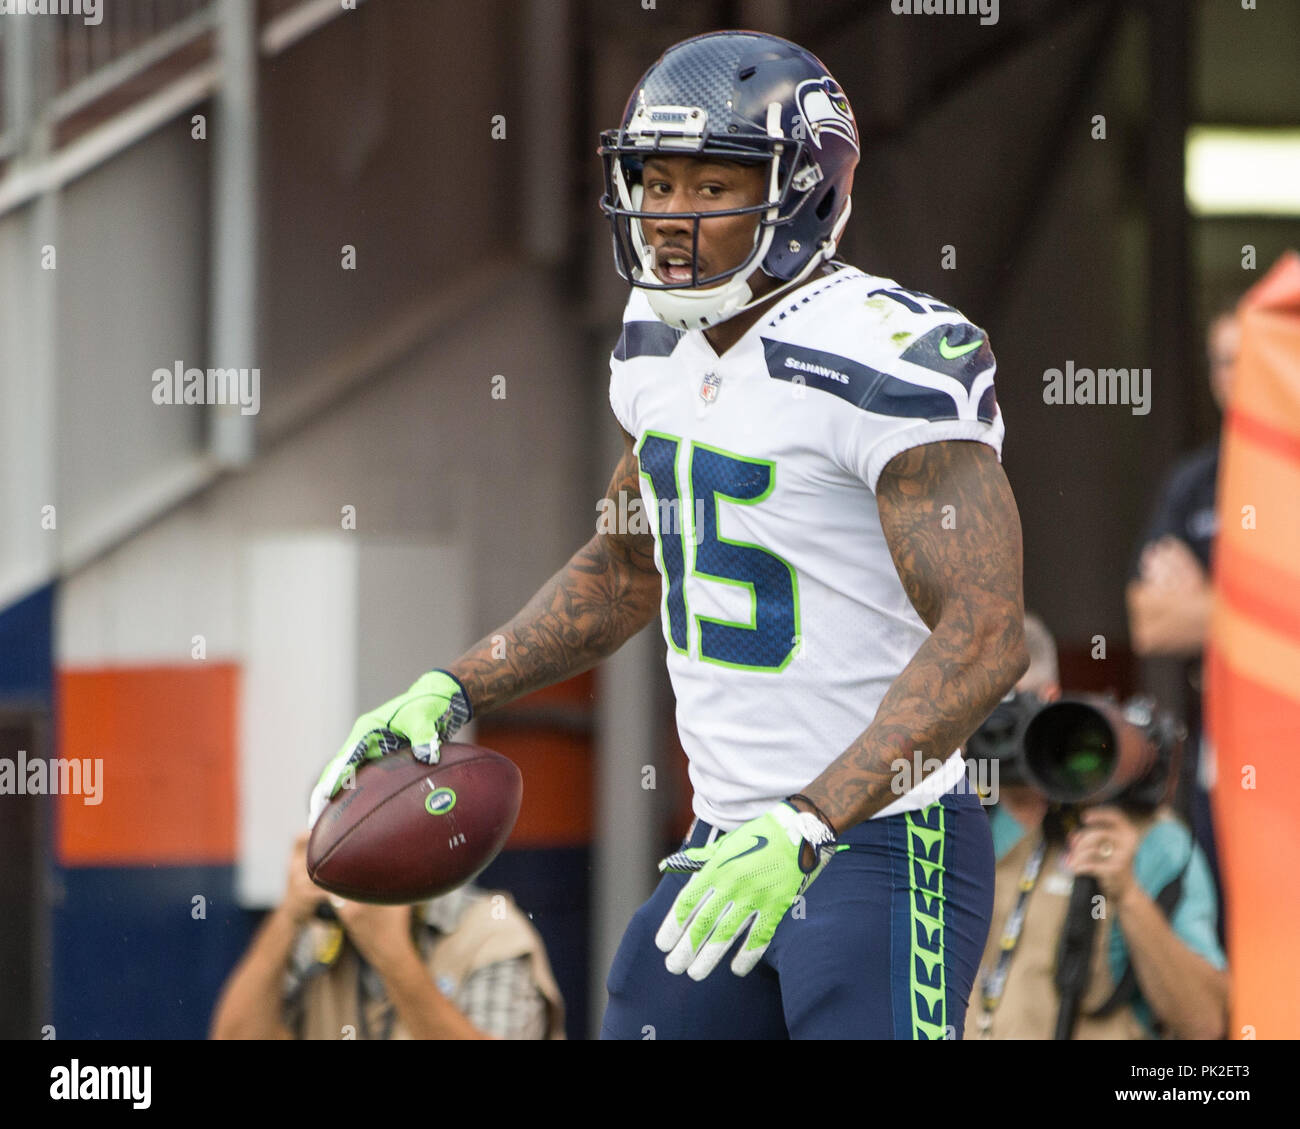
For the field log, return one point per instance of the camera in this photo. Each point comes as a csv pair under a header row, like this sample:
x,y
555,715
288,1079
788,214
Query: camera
x,y
1082,750
1001,736
1093,750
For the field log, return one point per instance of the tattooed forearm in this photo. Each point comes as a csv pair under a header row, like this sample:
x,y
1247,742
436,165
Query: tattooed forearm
x,y
607,592
961,569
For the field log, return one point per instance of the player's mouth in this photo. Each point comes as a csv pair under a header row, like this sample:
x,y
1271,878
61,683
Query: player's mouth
x,y
674,266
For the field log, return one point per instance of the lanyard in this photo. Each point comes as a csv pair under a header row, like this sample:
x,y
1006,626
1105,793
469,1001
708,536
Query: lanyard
x,y
995,983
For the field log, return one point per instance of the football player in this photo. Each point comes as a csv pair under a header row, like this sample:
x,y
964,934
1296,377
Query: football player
x,y
834,556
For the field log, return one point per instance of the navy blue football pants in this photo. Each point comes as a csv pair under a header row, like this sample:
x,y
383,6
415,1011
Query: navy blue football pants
x,y
887,945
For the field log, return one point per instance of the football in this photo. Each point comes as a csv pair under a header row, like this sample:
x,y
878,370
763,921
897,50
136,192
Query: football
x,y
407,831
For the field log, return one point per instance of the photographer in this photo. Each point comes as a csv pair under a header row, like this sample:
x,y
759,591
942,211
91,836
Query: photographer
x,y
467,965
1153,962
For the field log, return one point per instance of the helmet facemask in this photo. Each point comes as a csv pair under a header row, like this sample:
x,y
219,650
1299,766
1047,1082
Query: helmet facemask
x,y
700,302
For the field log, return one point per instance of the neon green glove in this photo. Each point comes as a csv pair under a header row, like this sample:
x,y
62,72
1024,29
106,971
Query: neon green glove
x,y
428,713
745,880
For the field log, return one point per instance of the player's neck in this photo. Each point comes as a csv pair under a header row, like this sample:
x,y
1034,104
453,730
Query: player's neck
x,y
723,337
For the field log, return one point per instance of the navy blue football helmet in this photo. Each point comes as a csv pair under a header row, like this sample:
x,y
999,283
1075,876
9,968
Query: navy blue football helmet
x,y
738,96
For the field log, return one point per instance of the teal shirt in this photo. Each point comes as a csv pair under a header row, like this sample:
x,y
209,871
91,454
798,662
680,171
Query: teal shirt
x,y
1160,856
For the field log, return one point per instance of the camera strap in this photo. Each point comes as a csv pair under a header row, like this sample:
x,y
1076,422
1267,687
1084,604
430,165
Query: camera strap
x,y
995,982
1167,900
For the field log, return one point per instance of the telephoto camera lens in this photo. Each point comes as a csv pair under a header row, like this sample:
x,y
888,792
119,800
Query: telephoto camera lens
x,y
1084,751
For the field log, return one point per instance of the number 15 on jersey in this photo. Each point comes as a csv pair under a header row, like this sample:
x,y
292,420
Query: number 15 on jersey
x,y
713,479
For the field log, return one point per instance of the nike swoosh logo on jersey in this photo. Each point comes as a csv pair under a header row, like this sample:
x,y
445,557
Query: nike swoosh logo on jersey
x,y
760,841
948,353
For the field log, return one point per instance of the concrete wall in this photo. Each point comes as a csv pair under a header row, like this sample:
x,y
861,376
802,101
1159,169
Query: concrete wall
x,y
438,395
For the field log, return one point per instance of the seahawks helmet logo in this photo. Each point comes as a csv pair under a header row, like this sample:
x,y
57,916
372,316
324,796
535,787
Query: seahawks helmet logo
x,y
824,109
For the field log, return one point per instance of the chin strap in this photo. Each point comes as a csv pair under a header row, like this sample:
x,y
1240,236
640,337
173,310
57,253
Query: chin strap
x,y
681,309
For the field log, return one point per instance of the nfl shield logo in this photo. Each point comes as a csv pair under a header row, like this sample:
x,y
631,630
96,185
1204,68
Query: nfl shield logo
x,y
709,389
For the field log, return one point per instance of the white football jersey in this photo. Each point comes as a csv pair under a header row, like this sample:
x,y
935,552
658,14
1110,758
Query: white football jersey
x,y
785,618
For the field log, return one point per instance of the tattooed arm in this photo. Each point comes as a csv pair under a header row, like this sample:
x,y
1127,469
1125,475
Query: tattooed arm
x,y
607,592
965,583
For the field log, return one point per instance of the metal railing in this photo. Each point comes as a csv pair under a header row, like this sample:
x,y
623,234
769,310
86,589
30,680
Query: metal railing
x,y
92,60
85,50
53,65
104,56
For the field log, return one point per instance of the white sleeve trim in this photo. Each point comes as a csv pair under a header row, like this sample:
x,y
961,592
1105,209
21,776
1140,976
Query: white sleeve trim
x,y
932,787
929,431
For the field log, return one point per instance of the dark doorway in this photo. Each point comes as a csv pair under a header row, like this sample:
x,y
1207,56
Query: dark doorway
x,y
24,917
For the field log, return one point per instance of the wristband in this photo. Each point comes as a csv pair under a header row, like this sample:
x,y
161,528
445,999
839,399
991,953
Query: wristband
x,y
830,832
